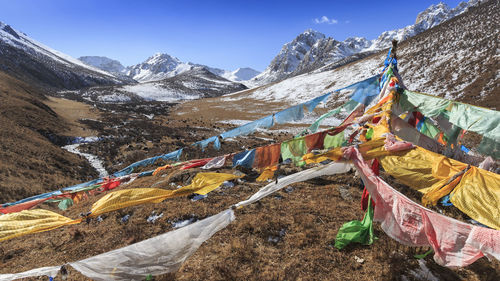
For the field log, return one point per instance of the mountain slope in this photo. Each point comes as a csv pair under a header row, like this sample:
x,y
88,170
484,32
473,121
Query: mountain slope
x,y
307,52
30,164
29,60
430,17
458,59
196,83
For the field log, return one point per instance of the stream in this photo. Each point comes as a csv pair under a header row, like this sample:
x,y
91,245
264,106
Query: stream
x,y
93,160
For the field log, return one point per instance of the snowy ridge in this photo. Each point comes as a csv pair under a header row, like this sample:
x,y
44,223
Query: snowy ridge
x,y
289,57
300,88
199,82
20,40
430,17
240,74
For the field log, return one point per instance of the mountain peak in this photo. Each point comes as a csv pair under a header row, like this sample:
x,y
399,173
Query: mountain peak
x,y
313,32
162,57
440,10
8,29
45,66
309,37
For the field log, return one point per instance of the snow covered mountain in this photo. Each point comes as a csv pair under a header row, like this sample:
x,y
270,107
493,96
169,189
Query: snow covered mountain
x,y
103,63
312,49
161,66
457,59
157,67
195,83
29,60
289,58
429,18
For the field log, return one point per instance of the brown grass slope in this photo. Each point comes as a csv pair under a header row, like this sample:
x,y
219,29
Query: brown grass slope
x,y
30,164
459,58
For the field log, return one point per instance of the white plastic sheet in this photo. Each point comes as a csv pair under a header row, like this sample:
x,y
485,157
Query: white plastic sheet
x,y
50,271
330,169
158,255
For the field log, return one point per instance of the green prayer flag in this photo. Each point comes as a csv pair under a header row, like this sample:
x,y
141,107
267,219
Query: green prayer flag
x,y
357,231
348,106
65,203
294,149
369,134
428,105
333,141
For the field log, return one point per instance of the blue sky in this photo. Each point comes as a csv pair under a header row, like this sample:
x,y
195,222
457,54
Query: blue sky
x,y
224,34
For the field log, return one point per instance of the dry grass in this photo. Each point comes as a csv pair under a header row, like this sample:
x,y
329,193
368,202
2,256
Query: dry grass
x,y
73,112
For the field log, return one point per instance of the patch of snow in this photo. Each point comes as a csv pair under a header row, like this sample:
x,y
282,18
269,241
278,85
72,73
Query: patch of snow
x,y
115,97
183,223
304,87
153,91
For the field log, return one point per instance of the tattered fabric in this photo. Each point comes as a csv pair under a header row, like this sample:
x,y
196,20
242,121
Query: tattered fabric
x,y
202,184
455,243
266,156
294,113
244,159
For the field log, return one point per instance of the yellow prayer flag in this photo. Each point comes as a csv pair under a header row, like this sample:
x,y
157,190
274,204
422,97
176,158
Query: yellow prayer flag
x,y
31,221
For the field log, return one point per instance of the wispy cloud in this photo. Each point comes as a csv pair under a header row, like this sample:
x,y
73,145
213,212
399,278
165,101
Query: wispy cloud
x,y
325,19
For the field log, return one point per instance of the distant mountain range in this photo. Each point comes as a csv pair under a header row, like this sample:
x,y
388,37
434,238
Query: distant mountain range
x,y
311,49
30,60
103,63
161,66
457,59
308,51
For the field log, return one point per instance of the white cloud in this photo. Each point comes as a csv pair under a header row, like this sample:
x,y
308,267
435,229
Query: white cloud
x,y
325,19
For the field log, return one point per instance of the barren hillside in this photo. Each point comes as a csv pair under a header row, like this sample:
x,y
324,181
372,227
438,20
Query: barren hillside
x,y
30,162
